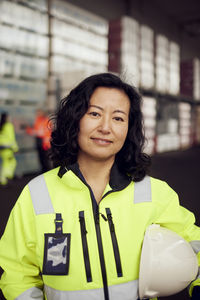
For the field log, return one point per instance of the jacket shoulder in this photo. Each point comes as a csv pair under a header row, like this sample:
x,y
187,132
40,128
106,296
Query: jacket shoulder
x,y
47,175
161,186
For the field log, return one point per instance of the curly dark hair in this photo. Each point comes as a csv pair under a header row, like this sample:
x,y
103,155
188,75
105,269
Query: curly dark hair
x,y
64,141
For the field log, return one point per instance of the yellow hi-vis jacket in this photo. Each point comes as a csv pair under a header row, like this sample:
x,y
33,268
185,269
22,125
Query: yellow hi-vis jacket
x,y
7,137
59,244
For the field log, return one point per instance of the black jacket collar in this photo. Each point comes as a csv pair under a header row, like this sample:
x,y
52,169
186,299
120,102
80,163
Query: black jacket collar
x,y
118,180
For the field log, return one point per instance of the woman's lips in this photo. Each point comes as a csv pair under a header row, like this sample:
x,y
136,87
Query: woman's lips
x,y
102,141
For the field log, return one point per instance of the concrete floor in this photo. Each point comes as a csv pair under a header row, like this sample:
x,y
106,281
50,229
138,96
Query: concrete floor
x,y
180,169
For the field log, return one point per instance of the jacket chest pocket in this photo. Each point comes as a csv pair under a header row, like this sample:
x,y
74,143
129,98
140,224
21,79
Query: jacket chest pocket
x,y
113,236
56,251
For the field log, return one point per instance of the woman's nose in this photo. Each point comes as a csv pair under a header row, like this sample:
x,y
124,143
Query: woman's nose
x,y
105,125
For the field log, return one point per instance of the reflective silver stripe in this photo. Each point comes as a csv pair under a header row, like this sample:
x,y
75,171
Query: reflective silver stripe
x,y
94,294
123,291
40,196
195,246
142,190
32,293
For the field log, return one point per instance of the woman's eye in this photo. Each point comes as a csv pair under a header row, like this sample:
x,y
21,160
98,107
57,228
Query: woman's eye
x,y
94,114
119,119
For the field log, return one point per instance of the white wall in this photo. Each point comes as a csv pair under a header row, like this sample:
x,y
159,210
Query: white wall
x,y
148,13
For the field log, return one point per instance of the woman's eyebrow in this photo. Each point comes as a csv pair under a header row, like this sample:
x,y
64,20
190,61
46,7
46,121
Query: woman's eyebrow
x,y
119,111
115,111
99,107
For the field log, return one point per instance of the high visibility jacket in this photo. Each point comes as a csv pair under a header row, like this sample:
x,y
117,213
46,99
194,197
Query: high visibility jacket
x,y
59,243
7,137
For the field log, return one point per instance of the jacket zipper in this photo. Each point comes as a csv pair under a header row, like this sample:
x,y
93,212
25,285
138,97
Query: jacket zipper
x,y
85,246
101,254
114,243
99,242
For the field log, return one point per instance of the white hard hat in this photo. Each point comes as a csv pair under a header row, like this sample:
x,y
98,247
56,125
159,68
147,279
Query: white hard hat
x,y
168,263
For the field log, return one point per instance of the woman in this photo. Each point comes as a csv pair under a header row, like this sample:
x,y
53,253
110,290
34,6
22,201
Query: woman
x,y
8,146
79,227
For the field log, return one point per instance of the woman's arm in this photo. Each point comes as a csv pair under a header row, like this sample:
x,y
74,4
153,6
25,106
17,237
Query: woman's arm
x,y
21,278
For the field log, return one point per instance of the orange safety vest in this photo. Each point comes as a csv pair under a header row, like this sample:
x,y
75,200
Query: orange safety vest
x,y
42,130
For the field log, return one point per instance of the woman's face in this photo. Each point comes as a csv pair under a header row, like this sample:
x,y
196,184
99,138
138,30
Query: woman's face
x,y
104,127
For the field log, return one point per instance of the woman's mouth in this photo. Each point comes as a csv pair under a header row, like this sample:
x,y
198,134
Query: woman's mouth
x,y
101,141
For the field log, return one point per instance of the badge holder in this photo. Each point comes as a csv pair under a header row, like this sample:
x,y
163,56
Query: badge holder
x,y
56,250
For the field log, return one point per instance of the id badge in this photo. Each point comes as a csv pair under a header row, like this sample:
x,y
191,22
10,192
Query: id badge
x,y
56,254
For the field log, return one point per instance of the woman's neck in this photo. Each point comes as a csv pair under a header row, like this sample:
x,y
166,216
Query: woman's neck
x,y
95,169
96,174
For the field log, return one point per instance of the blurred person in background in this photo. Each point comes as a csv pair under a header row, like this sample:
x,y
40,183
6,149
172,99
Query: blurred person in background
x,y
8,146
76,231
42,133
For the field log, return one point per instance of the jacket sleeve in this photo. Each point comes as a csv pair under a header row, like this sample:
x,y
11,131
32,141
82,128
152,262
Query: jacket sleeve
x,y
21,278
172,215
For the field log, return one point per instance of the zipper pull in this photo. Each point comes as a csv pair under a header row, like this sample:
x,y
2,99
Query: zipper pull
x,y
105,219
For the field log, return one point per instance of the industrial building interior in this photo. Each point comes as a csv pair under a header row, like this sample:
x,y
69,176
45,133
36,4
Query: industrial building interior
x,y
48,46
